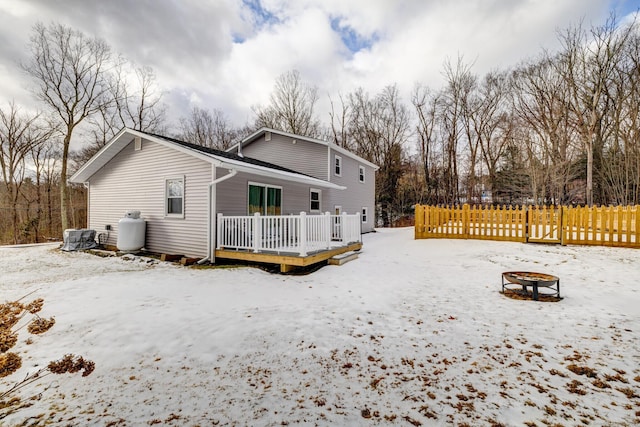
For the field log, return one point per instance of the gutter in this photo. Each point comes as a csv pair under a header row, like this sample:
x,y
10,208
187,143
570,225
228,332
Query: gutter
x,y
210,210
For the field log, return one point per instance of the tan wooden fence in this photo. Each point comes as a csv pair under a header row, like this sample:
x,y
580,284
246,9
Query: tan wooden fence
x,y
608,226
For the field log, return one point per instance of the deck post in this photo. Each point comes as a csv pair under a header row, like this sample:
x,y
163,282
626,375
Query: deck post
x,y
219,231
344,238
257,225
327,229
303,234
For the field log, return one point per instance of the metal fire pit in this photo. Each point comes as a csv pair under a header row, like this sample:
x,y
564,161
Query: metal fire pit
x,y
530,279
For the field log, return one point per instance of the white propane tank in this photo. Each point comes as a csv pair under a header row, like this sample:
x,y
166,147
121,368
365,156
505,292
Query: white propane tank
x,y
131,232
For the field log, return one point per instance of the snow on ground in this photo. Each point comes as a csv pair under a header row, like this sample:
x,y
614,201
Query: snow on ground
x,y
411,333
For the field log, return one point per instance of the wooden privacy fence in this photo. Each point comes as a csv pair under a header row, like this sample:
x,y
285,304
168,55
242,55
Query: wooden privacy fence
x,y
606,226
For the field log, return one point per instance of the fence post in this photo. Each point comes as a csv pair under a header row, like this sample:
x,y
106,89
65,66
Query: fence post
x,y
563,223
465,220
303,234
257,232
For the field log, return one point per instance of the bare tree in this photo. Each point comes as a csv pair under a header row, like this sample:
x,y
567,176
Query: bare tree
x,y
71,72
340,123
291,107
621,158
540,102
380,128
425,103
587,63
137,104
46,161
19,134
141,107
454,106
492,121
207,128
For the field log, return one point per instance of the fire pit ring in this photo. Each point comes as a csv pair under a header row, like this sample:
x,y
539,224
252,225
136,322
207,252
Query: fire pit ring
x,y
524,279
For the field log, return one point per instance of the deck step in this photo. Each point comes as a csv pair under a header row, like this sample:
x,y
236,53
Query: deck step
x,y
343,258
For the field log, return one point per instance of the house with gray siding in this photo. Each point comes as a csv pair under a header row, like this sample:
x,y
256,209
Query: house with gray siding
x,y
186,193
323,160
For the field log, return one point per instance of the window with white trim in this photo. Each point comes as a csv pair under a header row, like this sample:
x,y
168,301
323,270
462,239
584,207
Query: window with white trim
x,y
365,215
314,200
361,173
337,166
265,199
174,197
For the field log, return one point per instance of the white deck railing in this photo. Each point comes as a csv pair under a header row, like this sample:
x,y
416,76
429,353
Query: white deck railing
x,y
299,234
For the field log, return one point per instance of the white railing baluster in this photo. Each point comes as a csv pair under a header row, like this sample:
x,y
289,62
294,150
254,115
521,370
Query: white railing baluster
x,y
299,234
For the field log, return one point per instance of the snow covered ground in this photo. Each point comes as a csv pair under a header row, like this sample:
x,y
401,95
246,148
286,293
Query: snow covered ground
x,y
411,333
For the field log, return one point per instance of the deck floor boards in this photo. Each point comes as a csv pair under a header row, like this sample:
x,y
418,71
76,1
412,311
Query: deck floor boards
x,y
286,259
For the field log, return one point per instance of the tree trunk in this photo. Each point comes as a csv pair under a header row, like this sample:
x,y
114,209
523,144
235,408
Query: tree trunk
x,y
14,213
64,189
49,210
589,189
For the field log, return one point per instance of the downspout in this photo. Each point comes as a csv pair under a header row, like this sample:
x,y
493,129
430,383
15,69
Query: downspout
x,y
212,211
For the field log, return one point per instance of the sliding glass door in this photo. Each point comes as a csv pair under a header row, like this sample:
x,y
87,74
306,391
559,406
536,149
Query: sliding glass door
x,y
265,199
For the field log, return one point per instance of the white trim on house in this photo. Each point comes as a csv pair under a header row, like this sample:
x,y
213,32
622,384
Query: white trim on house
x,y
337,165
121,140
168,214
274,173
126,136
311,200
362,177
266,187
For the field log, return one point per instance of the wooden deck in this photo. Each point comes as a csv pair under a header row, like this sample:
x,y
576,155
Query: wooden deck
x,y
287,261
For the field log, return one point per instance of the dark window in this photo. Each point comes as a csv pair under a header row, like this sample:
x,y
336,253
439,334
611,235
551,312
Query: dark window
x,y
315,200
175,196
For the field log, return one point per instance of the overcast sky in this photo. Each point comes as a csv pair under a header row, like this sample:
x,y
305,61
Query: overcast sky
x,y
226,54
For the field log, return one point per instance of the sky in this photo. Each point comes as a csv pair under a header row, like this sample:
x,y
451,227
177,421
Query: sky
x,y
227,54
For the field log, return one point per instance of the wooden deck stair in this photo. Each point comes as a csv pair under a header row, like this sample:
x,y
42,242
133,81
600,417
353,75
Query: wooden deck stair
x,y
343,258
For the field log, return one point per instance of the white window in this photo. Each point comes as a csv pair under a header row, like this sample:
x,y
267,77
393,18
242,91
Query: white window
x,y
265,199
174,197
365,211
337,166
361,176
314,200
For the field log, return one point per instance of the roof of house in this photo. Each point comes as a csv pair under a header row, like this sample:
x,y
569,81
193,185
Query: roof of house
x,y
225,154
249,139
217,157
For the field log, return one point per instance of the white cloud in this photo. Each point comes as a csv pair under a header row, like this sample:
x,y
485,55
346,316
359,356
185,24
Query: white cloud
x,y
220,55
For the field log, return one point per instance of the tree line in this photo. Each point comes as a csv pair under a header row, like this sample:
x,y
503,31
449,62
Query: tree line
x,y
560,128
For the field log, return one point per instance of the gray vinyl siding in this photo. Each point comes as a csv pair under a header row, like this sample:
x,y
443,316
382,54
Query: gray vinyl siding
x,y
136,180
232,195
309,158
357,194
